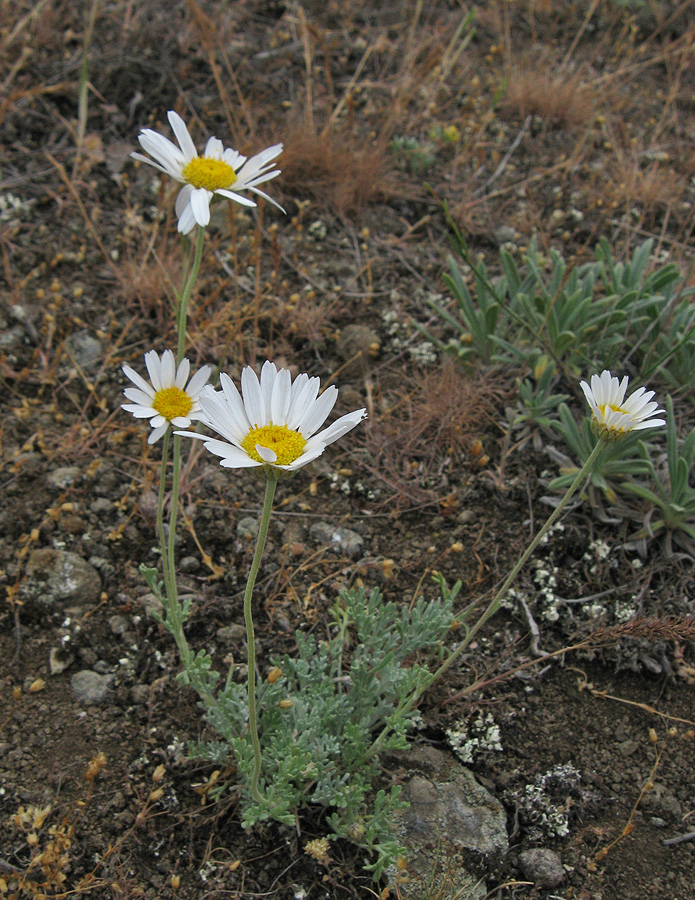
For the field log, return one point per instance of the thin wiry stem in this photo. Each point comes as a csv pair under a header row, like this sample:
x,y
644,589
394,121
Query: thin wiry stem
x,y
496,601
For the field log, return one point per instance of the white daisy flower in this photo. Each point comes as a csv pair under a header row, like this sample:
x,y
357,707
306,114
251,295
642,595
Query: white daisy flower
x,y
612,415
168,399
218,171
273,422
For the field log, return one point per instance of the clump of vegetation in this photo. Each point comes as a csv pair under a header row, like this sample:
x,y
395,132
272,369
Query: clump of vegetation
x,y
551,321
319,713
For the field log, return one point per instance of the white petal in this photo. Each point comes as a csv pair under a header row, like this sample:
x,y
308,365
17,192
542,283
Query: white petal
x,y
308,456
280,401
154,369
168,369
183,198
266,454
621,390
200,204
235,403
135,395
178,126
196,384
268,375
140,412
246,180
157,433
218,416
187,220
253,398
181,421
318,412
303,401
237,462
297,385
254,165
233,158
340,427
194,435
182,374
150,162
652,423
235,456
213,149
238,198
139,381
268,198
164,152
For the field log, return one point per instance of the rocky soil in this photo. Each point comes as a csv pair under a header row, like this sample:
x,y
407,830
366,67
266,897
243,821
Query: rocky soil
x,y
567,121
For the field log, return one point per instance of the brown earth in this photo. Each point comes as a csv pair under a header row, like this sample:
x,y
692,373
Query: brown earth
x,y
574,121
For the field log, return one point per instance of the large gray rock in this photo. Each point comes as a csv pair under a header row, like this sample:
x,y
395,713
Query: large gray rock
x,y
450,814
58,576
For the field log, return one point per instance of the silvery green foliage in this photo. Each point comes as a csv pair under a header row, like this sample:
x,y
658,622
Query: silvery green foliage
x,y
344,691
670,496
615,461
574,318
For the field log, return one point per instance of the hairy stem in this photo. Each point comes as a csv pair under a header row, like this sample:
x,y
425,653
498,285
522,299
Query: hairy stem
x,y
185,295
270,486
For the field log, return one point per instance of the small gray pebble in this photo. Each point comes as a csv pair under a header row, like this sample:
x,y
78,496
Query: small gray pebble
x,y
627,748
189,564
231,633
63,478
86,351
87,656
505,233
118,624
89,687
543,867
59,659
148,504
341,540
247,528
152,604
140,694
60,576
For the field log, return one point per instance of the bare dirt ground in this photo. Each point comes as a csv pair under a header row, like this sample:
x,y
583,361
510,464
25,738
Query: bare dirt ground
x,y
570,121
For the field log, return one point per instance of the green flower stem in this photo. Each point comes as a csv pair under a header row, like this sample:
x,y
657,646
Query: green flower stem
x,y
270,486
160,510
175,615
494,604
175,608
184,297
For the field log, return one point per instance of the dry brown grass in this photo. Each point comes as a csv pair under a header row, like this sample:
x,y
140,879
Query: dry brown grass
x,y
430,428
335,168
539,89
652,188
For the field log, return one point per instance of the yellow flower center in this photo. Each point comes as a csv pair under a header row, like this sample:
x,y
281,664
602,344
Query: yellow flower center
x,y
286,444
612,407
172,402
211,174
